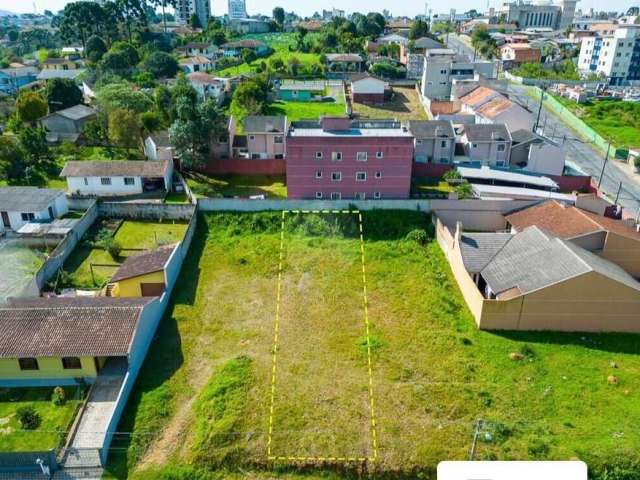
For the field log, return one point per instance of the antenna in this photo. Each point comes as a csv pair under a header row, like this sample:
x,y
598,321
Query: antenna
x,y
35,8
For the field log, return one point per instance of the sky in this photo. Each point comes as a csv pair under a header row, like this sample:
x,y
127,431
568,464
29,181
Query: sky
x,y
407,7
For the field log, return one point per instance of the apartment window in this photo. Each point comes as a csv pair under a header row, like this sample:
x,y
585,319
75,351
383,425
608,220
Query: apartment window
x,y
379,155
443,144
318,173
421,159
318,155
360,195
378,174
336,195
105,181
377,195
336,156
361,176
86,181
28,364
129,181
71,363
443,72
336,176
444,160
278,139
500,163
27,217
318,194
252,137
474,145
418,142
501,147
361,156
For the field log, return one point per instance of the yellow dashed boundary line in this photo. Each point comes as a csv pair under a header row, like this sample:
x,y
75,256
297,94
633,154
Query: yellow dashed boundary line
x,y
274,353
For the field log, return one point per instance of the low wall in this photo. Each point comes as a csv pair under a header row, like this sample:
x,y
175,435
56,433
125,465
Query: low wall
x,y
571,183
245,166
146,211
429,169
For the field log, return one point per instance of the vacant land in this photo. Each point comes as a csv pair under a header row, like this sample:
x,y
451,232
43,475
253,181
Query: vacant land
x,y
203,396
216,186
55,420
306,110
405,105
18,265
430,186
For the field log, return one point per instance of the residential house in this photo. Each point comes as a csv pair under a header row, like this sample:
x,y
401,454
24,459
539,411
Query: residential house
x,y
344,62
434,141
533,280
201,49
366,88
614,240
412,55
22,205
117,178
266,136
535,153
490,106
158,146
141,275
65,341
393,38
208,86
234,49
198,63
67,124
243,26
59,64
337,158
50,74
301,91
12,79
518,53
489,144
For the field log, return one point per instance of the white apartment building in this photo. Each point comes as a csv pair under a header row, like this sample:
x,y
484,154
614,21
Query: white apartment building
x,y
186,8
615,55
237,9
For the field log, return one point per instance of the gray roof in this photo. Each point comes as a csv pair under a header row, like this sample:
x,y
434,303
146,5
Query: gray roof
x,y
49,74
479,248
317,85
77,112
115,168
534,259
343,57
27,199
428,128
265,124
20,71
485,132
484,172
427,43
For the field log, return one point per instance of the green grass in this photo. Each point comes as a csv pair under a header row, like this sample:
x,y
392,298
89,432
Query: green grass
x,y
55,420
18,265
176,198
216,186
404,106
434,373
306,110
430,186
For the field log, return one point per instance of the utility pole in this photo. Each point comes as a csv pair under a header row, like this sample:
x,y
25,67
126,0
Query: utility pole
x,y
535,127
606,159
618,194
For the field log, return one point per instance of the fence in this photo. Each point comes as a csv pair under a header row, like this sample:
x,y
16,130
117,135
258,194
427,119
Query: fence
x,y
12,462
146,211
61,252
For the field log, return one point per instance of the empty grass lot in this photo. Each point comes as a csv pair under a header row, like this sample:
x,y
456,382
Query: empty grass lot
x,y
306,110
216,186
202,400
405,105
55,420
18,265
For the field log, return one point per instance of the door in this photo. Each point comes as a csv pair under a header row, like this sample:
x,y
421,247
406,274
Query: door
x,y
152,289
5,220
51,217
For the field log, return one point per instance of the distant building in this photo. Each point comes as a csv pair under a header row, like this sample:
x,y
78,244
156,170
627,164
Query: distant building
x,y
337,158
249,25
266,136
301,91
195,64
208,86
59,64
366,88
519,53
442,66
186,8
540,14
344,62
413,58
67,124
237,9
234,49
490,106
11,79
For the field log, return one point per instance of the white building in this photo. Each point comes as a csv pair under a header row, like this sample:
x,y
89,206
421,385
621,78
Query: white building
x,y
198,63
237,9
186,8
208,86
117,178
540,13
22,205
158,146
615,55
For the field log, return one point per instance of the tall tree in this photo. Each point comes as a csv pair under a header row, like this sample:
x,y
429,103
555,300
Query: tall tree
x,y
161,65
95,49
80,20
30,106
278,15
124,128
62,93
419,29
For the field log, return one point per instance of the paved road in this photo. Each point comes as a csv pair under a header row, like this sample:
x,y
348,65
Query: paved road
x,y
458,45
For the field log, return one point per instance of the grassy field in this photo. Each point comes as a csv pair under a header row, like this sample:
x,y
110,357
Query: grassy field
x,y
55,420
217,186
204,391
404,106
615,120
18,265
430,186
132,235
306,110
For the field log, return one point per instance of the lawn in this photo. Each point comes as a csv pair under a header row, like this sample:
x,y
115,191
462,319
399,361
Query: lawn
x,y
405,105
426,186
203,396
306,110
18,265
133,236
218,186
55,420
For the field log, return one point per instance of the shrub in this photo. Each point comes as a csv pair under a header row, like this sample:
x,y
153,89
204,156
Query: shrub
x,y
419,236
114,248
58,397
28,417
636,163
452,174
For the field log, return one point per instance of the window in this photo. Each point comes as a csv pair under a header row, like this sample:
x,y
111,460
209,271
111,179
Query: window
x,y
379,155
318,173
421,159
361,176
318,194
318,155
129,181
252,137
378,174
501,147
377,195
278,139
27,217
443,144
418,142
28,364
105,181
336,176
474,145
86,181
71,363
500,163
361,156
444,160
336,156
279,156
336,195
360,195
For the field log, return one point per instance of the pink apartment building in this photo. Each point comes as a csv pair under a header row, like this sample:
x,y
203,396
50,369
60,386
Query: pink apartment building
x,y
337,158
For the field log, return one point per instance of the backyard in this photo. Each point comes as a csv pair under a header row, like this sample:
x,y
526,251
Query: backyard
x,y
204,396
18,265
306,110
91,265
405,105
216,186
54,420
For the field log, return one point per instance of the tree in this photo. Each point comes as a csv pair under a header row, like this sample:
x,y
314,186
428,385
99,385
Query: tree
x,y
95,49
251,96
121,96
161,65
293,65
248,55
11,158
30,106
129,52
419,29
62,93
13,35
278,15
150,121
194,21
34,144
124,128
80,20
163,101
144,79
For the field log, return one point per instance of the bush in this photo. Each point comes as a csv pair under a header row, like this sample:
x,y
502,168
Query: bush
x,y
452,174
114,248
28,417
636,163
419,236
58,397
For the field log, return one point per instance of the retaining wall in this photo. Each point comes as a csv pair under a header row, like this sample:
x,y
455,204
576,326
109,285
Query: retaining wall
x,y
245,166
146,211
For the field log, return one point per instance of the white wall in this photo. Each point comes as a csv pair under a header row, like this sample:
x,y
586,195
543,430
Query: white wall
x,y
546,158
59,205
368,86
95,187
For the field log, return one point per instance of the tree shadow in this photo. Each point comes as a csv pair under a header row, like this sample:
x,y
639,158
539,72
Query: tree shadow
x,y
627,343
